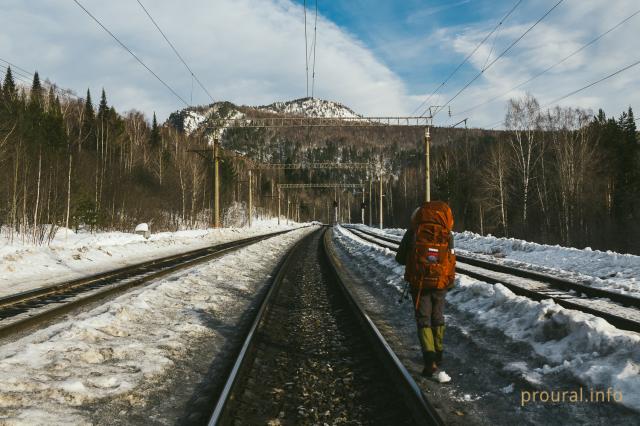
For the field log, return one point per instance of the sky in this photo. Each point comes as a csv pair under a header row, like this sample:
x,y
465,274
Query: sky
x,y
379,57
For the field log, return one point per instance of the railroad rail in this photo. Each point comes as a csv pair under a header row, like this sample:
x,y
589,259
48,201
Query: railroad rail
x,y
620,310
312,340
26,309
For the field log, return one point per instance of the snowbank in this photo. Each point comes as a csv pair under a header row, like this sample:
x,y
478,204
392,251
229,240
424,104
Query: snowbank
x,y
608,270
587,347
71,255
108,351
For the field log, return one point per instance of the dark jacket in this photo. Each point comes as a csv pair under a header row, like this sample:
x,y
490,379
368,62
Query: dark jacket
x,y
406,243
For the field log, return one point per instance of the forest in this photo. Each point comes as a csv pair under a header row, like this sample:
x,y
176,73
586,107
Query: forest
x,y
562,176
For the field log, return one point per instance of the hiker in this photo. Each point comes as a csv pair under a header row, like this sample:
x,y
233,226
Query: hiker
x,y
427,252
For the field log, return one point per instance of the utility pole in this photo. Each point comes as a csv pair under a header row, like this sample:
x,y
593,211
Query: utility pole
x,y
370,201
362,207
279,197
427,146
250,200
288,206
215,162
381,198
216,196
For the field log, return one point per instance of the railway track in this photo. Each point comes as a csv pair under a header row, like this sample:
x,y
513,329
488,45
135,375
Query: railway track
x,y
313,356
620,310
25,310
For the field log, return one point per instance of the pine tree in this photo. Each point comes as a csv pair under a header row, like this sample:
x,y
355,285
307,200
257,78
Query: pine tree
x,y
103,107
36,90
55,128
9,86
88,118
154,138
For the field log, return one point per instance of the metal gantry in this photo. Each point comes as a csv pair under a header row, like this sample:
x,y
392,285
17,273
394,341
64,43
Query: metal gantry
x,y
282,186
424,122
356,121
296,166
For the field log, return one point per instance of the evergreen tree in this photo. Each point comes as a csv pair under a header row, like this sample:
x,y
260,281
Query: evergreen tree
x,y
9,86
35,96
56,135
154,138
103,107
35,117
88,118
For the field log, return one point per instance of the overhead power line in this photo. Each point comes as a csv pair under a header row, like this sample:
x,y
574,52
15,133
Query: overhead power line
x,y
581,89
315,32
504,52
575,52
613,74
26,77
306,47
15,74
16,68
131,53
175,51
446,80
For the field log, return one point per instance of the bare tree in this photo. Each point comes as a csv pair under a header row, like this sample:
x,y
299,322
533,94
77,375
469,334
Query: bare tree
x,y
523,120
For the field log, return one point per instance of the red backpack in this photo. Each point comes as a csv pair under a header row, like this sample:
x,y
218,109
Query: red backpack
x,y
431,261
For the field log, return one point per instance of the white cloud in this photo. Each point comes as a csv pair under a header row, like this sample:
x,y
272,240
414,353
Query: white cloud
x,y
567,29
248,52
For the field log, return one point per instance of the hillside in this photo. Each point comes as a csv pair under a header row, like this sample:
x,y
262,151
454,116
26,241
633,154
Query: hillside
x,y
200,117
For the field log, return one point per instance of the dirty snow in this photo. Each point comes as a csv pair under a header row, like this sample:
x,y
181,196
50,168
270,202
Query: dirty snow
x,y
110,350
70,255
585,346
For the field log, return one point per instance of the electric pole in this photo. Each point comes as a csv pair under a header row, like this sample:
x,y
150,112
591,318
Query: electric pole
x,y
370,201
216,196
427,146
380,197
250,200
363,206
279,197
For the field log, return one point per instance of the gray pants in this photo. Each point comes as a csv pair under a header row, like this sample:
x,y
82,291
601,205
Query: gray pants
x,y
430,311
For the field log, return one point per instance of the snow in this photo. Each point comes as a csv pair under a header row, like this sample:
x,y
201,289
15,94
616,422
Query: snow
x,y
48,376
70,255
571,342
310,107
603,269
142,227
192,121
442,377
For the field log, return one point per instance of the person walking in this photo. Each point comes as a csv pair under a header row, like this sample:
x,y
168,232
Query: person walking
x,y
428,254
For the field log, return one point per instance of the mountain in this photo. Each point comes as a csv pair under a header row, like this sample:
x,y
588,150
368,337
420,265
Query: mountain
x,y
195,118
310,107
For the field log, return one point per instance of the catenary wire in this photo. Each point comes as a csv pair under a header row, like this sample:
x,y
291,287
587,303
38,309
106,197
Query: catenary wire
x,y
315,33
504,52
575,52
130,52
583,88
306,47
467,57
193,75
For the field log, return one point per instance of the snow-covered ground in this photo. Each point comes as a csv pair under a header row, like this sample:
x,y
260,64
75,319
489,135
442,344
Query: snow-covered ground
x,y
573,343
605,269
52,375
608,270
69,255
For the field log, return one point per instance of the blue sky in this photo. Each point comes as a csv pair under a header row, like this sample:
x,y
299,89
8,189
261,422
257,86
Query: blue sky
x,y
398,32
378,57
